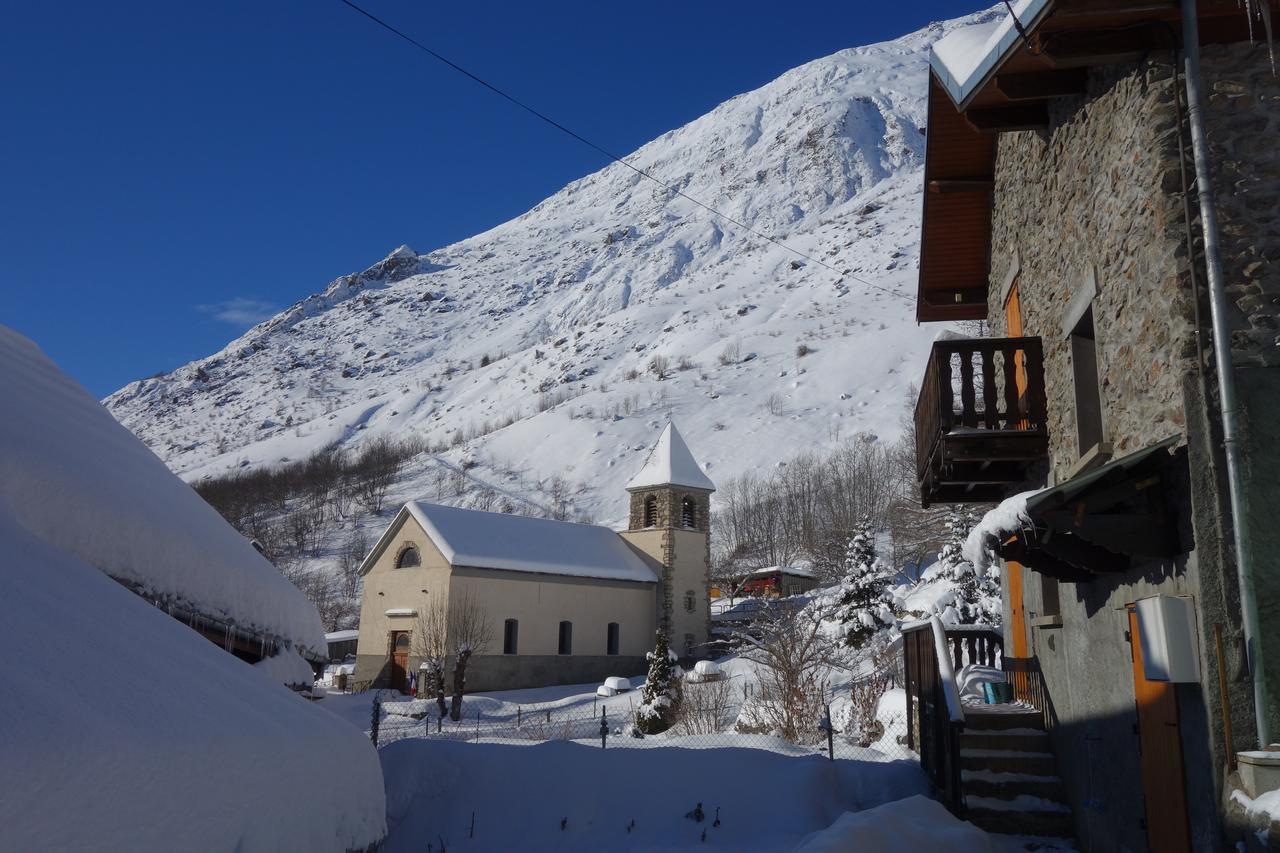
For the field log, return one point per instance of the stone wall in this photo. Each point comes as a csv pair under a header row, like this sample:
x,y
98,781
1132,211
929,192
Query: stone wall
x,y
1242,123
1093,198
669,500
1095,203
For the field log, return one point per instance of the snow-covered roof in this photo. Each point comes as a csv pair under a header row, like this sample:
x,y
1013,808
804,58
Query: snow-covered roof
x,y
75,478
796,571
964,57
519,543
167,742
340,636
671,464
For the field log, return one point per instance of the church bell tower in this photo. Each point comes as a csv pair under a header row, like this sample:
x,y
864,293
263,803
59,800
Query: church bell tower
x,y
670,522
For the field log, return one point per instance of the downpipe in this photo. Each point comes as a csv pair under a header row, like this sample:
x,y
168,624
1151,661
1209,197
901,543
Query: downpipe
x,y
1227,401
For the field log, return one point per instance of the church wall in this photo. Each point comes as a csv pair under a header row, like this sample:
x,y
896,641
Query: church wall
x,y
539,603
386,588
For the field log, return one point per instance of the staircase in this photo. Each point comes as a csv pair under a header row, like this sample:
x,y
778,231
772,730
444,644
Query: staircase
x,y
1008,778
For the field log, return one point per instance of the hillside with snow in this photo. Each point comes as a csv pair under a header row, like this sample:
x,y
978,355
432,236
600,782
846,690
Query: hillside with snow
x,y
545,354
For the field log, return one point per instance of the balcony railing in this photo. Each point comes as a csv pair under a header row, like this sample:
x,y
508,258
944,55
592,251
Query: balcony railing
x,y
980,419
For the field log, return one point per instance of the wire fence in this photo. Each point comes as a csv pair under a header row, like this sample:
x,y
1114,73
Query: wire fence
x,y
711,716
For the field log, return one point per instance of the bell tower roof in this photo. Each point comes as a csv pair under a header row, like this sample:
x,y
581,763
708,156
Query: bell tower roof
x,y
671,464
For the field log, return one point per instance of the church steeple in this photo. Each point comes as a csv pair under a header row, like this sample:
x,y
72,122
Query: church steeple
x,y
670,520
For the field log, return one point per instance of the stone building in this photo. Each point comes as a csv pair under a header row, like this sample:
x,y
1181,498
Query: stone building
x,y
1061,208
564,603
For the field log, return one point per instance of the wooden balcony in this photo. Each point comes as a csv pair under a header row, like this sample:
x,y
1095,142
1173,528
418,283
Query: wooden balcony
x,y
980,420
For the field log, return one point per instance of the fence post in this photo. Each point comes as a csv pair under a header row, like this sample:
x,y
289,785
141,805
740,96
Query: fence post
x,y
517,717
377,714
825,725
604,727
478,725
439,723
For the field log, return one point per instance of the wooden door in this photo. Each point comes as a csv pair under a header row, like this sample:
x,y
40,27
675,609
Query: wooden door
x,y
1160,742
1013,322
400,661
1017,611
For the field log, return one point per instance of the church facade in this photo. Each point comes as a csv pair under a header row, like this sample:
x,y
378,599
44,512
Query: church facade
x,y
562,603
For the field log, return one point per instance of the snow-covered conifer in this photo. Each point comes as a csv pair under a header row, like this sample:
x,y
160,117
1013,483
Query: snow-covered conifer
x,y
863,609
660,697
977,597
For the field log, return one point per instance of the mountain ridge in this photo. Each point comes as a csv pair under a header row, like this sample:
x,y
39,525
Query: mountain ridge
x,y
547,352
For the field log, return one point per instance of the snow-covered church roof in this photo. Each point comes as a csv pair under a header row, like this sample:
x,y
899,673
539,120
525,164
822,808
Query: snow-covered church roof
x,y
73,477
519,543
671,464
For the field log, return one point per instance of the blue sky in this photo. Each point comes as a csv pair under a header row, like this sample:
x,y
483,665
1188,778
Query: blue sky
x,y
174,172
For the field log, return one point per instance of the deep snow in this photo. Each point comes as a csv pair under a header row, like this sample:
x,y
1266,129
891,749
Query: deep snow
x,y
71,475
123,729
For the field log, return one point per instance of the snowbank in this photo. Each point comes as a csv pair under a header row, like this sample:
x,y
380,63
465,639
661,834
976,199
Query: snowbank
x,y
173,744
914,823
72,476
433,787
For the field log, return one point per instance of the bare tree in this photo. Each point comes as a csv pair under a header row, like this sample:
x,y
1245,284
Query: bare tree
x,y
469,633
430,643
375,469
707,708
794,656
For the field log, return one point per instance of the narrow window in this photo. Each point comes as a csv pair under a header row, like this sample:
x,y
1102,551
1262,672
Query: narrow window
x,y
408,558
688,512
612,643
511,637
1049,602
1084,367
690,601
688,645
651,511
566,638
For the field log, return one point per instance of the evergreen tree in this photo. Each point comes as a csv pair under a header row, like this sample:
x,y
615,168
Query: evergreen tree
x,y
661,695
863,610
977,597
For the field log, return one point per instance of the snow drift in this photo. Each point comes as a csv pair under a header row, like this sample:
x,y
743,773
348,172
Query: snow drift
x,y
122,729
72,476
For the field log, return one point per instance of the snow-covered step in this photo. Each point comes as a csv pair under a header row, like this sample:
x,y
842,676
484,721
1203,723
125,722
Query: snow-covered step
x,y
980,718
1022,815
1027,740
1007,760
990,783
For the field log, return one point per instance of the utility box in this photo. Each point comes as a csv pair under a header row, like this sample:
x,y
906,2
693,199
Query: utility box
x,y
1167,630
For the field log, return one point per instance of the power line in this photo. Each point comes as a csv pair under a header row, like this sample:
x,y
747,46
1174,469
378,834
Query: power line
x,y
606,152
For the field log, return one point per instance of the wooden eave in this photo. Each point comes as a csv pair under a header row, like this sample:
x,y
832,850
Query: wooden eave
x,y
1052,62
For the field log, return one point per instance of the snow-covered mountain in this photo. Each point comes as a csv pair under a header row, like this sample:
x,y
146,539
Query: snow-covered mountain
x,y
530,349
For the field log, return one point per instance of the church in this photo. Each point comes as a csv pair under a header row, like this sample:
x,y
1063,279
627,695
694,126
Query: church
x,y
563,603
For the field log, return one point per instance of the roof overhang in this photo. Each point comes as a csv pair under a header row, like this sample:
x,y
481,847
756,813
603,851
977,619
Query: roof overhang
x,y
1002,78
1107,520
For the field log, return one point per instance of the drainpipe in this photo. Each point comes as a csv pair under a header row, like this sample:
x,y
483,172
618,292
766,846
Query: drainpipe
x,y
1226,375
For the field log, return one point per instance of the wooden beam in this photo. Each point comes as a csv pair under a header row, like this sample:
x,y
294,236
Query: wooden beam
x,y
1076,48
961,185
1045,84
1029,116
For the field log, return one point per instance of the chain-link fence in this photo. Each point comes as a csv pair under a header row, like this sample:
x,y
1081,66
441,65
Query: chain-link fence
x,y
866,722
